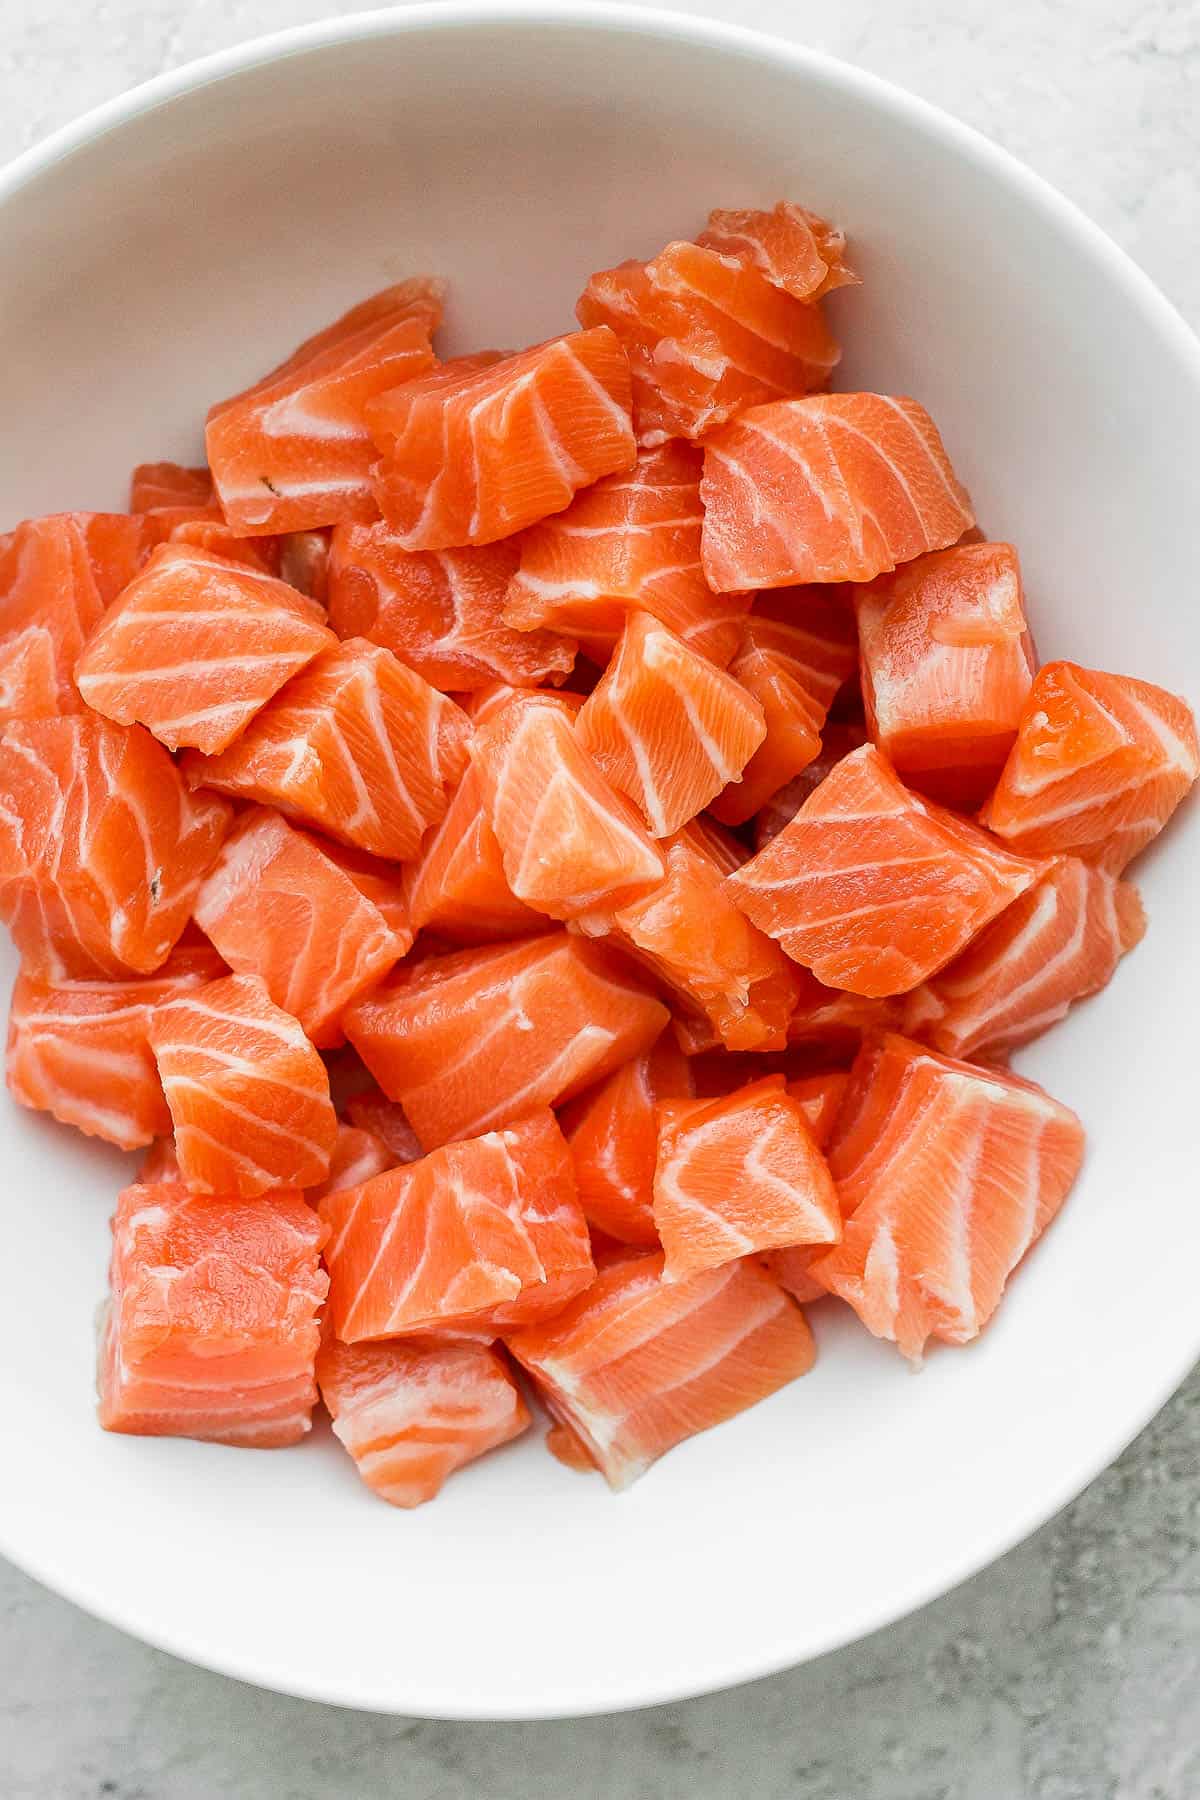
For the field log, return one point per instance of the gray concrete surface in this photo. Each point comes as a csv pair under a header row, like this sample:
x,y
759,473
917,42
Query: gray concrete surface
x,y
1068,1671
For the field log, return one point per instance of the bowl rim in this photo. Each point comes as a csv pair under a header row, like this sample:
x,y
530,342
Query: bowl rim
x,y
716,1671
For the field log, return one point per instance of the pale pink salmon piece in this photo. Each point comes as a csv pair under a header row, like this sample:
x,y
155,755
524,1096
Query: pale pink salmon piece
x,y
873,888
440,611
478,451
410,1414
948,1174
1061,940
468,1041
277,906
102,848
635,1365
79,1049
248,1094
835,487
630,541
1099,765
482,1233
211,1329
357,745
667,726
195,646
293,452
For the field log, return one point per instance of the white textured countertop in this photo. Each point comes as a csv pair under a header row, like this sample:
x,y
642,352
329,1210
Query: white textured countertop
x,y
1068,1671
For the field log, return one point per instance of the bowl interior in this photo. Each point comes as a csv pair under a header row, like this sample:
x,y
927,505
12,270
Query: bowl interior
x,y
169,260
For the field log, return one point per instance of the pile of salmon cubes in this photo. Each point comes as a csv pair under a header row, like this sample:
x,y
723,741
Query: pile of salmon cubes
x,y
547,854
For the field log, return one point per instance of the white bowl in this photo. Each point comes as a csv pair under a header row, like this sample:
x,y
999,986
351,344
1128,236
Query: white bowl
x,y
162,252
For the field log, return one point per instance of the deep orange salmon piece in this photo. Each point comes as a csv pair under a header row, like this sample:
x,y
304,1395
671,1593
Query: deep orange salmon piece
x,y
474,453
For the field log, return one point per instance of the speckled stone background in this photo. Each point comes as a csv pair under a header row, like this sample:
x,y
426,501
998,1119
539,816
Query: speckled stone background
x,y
1069,1671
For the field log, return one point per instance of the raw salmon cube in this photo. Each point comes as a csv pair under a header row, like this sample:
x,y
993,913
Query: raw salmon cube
x,y
474,453
467,1041
1099,765
873,888
358,1156
835,487
457,887
195,646
102,848
819,1097
1060,941
80,1049
793,734
357,745
248,1094
948,1174
372,1112
57,576
706,335
738,1175
570,844
276,905
211,1329
946,666
486,1232
631,541
439,611
152,485
688,931
613,1134
637,1364
667,726
410,1414
793,248
293,452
